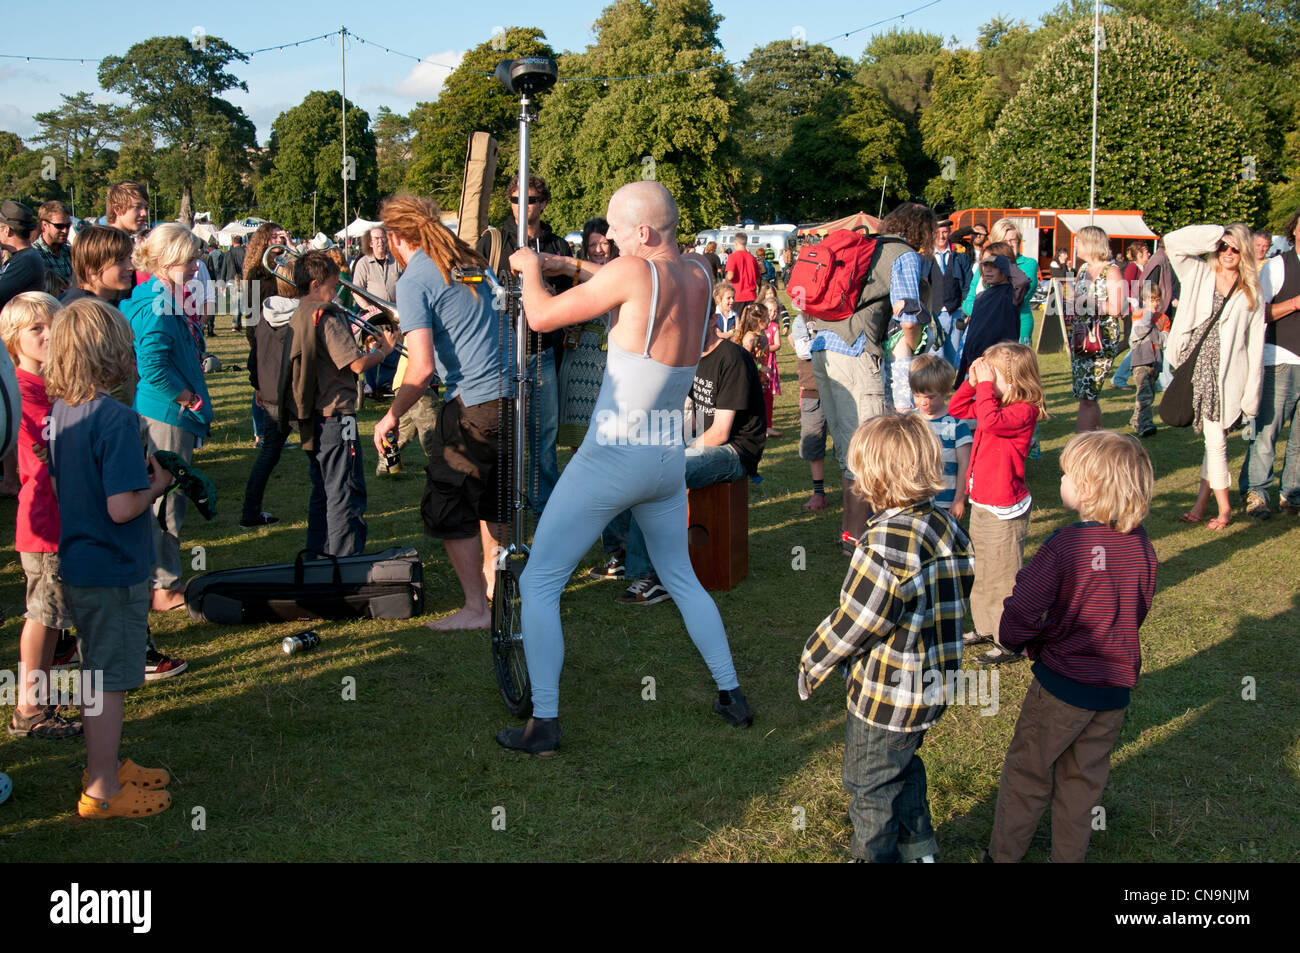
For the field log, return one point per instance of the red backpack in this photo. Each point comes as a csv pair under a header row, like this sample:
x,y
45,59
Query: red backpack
x,y
828,277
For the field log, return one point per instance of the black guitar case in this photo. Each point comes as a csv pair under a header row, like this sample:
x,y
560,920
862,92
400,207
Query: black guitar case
x,y
386,585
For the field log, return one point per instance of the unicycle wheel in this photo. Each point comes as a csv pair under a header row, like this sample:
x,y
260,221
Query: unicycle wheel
x,y
508,641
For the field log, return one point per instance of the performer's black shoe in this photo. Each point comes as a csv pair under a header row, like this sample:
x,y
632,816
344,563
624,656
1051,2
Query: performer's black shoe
x,y
539,736
733,707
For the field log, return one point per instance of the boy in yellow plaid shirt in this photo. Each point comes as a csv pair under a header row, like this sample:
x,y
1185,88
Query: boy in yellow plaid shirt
x,y
898,631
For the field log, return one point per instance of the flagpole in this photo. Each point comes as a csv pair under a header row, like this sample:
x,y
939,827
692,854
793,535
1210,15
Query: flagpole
x,y
1096,58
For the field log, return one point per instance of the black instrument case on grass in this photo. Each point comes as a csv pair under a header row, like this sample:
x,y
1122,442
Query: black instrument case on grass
x,y
385,585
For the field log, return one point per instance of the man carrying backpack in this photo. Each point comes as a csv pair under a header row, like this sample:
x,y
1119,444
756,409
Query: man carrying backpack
x,y
848,346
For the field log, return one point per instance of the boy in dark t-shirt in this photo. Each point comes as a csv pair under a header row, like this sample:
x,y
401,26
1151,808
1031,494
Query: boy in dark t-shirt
x,y
321,395
731,422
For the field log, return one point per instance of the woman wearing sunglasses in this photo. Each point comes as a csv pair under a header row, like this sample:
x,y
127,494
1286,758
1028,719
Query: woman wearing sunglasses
x,y
1221,306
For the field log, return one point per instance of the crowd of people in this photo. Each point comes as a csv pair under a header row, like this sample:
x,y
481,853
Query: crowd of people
x,y
661,367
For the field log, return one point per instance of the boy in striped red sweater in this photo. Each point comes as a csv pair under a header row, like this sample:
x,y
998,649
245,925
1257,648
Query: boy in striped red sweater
x,y
1076,610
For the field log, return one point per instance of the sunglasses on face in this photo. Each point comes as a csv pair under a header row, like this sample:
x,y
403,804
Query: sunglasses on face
x,y
532,199
61,226
1224,246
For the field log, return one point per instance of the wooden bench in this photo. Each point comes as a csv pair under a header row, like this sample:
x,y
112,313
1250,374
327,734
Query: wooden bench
x,y
717,520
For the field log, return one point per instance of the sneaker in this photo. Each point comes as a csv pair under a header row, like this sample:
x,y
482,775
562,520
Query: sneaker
x,y
997,655
262,519
615,568
736,710
46,723
644,592
975,638
1257,506
537,736
1149,432
158,666
67,653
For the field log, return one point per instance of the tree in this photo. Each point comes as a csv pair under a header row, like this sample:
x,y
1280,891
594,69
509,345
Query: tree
x,y
307,156
595,137
175,85
136,162
471,100
955,129
841,154
78,135
1167,143
393,134
21,171
781,83
900,65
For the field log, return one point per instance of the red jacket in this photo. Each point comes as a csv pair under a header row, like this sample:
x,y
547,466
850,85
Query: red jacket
x,y
1002,439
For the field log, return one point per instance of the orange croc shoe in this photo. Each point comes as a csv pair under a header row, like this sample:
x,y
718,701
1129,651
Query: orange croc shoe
x,y
131,773
131,801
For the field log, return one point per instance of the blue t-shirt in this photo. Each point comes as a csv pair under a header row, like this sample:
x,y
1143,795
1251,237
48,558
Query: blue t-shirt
x,y
952,433
471,341
95,453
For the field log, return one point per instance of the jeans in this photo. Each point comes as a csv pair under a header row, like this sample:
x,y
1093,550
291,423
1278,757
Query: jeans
x,y
951,351
380,377
1124,371
335,515
1279,403
267,457
705,466
259,421
599,483
541,430
885,778
613,538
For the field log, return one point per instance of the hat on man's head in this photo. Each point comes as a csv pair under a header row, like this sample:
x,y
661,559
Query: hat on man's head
x,y
943,223
321,242
17,215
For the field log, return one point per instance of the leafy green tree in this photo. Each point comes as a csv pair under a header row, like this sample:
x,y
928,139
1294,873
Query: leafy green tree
x,y
594,137
471,100
136,162
175,85
78,134
841,154
781,83
393,134
224,192
955,129
21,173
900,65
1167,143
307,156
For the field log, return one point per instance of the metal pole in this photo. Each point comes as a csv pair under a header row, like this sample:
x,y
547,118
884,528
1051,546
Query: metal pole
x,y
313,213
523,398
343,65
880,213
1096,58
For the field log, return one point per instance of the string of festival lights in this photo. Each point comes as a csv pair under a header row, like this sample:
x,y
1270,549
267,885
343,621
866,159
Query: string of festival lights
x,y
345,33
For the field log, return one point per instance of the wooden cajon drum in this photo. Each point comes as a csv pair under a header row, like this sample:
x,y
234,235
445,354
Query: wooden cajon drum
x,y
717,520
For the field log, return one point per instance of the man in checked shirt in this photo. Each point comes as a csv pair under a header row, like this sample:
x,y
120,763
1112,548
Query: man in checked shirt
x,y
898,631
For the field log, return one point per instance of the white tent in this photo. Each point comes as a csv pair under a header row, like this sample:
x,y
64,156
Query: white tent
x,y
243,227
357,229
206,231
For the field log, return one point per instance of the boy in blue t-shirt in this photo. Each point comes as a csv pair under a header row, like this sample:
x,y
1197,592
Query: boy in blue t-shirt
x,y
105,492
931,379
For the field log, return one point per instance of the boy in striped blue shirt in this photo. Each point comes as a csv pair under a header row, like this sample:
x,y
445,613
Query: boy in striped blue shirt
x,y
931,379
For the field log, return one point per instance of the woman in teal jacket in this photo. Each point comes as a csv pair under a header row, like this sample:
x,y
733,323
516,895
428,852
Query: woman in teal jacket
x,y
1005,230
171,397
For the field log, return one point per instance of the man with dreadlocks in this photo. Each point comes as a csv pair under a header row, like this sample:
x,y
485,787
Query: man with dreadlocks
x,y
454,328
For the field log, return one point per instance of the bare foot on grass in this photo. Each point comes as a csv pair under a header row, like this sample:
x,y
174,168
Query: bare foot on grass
x,y
462,619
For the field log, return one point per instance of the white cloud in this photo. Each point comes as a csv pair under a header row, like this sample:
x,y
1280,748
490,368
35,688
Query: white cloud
x,y
424,82
17,121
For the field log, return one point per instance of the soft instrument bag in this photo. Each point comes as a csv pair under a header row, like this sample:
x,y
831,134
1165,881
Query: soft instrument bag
x,y
384,585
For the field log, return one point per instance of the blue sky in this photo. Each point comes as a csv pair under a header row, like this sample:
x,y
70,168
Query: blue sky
x,y
439,32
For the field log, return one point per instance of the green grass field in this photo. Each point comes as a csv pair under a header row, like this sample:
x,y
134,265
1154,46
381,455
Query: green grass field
x,y
270,762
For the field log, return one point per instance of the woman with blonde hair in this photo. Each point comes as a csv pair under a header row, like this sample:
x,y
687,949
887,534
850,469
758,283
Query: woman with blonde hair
x,y
171,397
1220,319
1099,302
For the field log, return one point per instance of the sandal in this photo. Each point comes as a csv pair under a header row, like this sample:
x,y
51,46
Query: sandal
x,y
132,773
131,801
46,723
1218,523
1189,518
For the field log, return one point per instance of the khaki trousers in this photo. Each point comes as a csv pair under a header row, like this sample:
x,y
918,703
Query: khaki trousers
x,y
999,547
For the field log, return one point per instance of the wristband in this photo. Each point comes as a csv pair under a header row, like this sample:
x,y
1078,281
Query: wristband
x,y
194,404
577,269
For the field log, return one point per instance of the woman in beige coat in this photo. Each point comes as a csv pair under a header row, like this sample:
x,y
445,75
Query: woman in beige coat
x,y
1219,294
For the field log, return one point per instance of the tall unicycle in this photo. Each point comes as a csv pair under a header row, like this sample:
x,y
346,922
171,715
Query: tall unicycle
x,y
526,76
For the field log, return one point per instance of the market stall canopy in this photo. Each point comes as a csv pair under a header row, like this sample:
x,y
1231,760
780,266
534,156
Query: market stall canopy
x,y
243,228
357,229
1124,225
205,231
856,220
